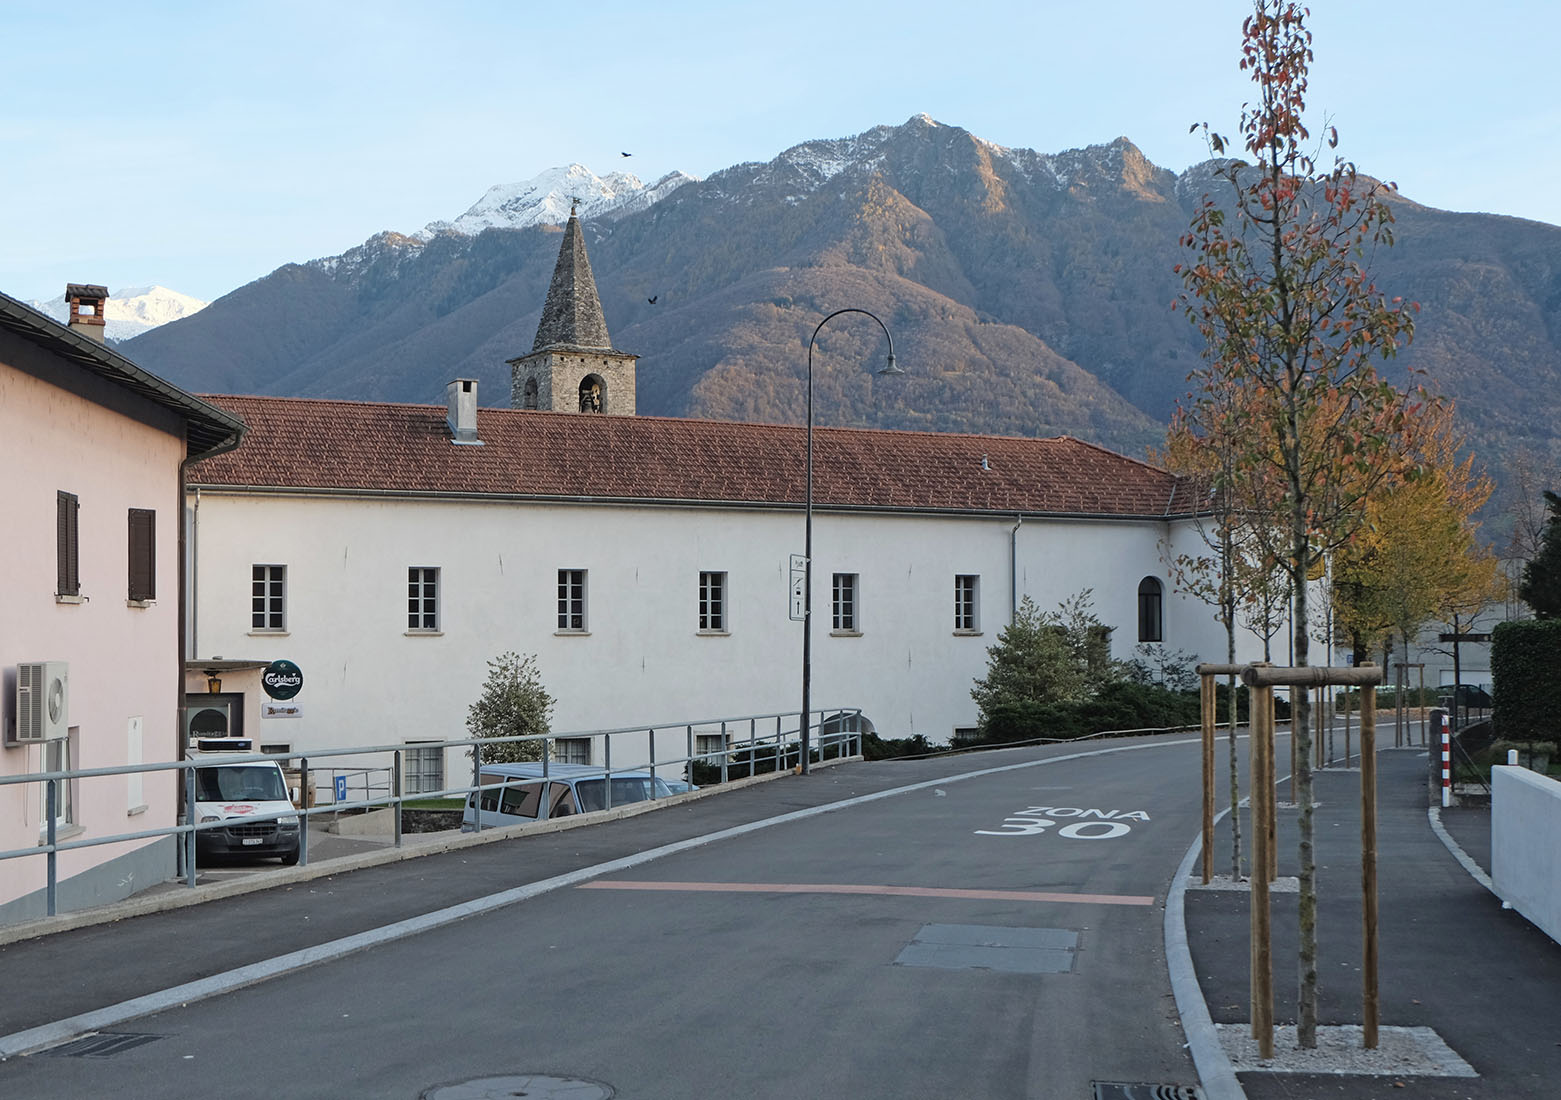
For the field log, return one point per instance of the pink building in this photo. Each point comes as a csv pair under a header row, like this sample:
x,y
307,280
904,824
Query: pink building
x,y
92,448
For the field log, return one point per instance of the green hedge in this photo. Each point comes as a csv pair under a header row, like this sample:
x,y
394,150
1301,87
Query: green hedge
x,y
1118,706
1526,670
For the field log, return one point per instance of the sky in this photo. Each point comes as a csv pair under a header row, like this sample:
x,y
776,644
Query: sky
x,y
202,145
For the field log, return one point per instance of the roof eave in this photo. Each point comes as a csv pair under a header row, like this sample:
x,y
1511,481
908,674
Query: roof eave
x,y
208,429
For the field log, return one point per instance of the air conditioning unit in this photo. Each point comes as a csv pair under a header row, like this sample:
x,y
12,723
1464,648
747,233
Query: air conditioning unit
x,y
42,702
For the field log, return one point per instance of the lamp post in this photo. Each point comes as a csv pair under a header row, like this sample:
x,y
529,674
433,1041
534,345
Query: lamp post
x,y
807,549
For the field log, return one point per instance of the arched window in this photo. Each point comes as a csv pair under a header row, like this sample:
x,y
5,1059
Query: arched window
x,y
593,394
1151,609
529,399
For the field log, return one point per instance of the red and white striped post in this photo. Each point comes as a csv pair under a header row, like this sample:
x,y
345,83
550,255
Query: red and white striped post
x,y
1447,765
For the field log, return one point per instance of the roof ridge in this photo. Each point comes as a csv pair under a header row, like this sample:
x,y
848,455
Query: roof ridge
x,y
829,429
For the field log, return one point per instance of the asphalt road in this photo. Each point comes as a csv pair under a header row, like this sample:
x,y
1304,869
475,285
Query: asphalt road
x,y
954,928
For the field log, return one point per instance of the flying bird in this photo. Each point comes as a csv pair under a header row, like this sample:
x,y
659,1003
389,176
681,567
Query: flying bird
x,y
652,299
625,154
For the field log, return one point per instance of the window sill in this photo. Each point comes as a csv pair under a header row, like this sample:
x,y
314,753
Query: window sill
x,y
571,633
845,633
136,811
425,634
713,633
140,603
268,633
967,633
62,832
59,598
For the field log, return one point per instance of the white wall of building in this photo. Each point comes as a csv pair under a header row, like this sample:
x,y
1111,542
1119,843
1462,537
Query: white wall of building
x,y
643,660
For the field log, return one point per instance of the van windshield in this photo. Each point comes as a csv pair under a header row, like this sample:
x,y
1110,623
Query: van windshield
x,y
240,782
593,792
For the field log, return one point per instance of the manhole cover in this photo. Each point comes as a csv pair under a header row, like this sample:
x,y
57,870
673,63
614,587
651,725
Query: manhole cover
x,y
983,947
532,1086
1116,1090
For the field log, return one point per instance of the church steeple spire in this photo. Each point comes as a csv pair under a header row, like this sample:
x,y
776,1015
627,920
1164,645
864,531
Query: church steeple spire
x,y
572,366
572,314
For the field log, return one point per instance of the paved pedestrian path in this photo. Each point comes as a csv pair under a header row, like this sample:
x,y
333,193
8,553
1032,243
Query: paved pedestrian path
x,y
1455,968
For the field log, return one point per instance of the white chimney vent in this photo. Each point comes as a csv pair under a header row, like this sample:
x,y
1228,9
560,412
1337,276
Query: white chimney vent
x,y
461,397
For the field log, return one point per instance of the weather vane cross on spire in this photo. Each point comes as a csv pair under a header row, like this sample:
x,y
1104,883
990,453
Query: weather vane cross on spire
x,y
574,203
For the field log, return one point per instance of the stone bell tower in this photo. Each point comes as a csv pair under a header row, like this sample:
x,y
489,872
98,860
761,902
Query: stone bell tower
x,y
572,366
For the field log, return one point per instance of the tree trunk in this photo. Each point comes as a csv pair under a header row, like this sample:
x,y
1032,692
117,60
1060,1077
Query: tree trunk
x,y
1300,729
1228,610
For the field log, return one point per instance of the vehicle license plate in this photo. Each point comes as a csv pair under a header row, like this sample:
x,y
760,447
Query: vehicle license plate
x,y
253,839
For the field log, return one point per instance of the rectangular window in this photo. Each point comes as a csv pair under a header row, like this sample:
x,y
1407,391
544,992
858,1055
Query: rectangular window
x,y
571,600
143,554
67,547
712,602
845,602
422,768
967,603
709,747
135,801
57,757
572,750
422,598
268,603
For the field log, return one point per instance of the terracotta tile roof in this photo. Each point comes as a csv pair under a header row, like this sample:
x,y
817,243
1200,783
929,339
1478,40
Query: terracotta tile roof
x,y
306,444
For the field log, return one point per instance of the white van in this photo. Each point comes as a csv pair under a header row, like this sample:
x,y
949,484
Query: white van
x,y
513,793
237,791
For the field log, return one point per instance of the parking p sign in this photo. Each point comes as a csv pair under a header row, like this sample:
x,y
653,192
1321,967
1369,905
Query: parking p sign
x,y
341,788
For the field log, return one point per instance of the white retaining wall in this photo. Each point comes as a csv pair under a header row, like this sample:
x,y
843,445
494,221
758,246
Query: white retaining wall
x,y
1526,845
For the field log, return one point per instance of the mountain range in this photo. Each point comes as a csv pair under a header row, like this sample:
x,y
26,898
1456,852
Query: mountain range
x,y
1027,294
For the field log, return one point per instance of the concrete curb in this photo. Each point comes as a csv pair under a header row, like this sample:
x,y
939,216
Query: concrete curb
x,y
1434,813
1216,1075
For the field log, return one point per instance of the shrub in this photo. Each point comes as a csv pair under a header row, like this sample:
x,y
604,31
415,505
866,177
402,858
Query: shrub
x,y
1526,670
513,703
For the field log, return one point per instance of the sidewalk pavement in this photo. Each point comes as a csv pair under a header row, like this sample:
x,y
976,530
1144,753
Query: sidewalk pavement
x,y
1483,980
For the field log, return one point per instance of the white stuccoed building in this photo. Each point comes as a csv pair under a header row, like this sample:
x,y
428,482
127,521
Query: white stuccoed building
x,y
391,551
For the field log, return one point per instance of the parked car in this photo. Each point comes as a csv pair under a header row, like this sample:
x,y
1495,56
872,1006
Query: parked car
x,y
249,796
513,793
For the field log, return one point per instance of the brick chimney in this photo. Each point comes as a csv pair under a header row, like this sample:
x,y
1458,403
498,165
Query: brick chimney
x,y
461,398
85,304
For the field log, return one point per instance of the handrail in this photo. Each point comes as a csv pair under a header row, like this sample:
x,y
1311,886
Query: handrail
x,y
848,733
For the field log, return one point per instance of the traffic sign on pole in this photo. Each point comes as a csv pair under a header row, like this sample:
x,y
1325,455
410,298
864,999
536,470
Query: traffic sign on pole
x,y
799,567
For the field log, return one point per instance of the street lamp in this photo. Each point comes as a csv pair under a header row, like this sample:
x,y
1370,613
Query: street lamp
x,y
807,549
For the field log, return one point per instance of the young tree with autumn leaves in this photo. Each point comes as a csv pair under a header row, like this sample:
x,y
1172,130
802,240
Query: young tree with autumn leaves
x,y
1277,283
1418,558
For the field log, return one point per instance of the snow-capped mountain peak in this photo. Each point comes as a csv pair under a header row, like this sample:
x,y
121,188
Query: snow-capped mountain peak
x,y
130,310
546,199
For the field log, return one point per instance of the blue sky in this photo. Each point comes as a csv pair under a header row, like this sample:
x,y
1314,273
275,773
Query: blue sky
x,y
202,145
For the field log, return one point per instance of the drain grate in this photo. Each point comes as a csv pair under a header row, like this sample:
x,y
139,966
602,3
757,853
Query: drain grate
x,y
1116,1090
101,1045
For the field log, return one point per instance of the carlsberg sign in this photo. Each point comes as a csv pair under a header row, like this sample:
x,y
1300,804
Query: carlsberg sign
x,y
282,679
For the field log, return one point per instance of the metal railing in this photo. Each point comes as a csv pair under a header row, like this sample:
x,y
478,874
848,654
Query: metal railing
x,y
750,744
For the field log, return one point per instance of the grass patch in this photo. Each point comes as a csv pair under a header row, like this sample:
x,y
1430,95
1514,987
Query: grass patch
x,y
433,804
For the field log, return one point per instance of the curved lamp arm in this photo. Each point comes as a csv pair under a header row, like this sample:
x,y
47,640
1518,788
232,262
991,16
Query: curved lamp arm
x,y
807,570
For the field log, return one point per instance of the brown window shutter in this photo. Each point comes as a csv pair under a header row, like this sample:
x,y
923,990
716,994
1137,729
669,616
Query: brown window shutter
x,y
67,551
143,554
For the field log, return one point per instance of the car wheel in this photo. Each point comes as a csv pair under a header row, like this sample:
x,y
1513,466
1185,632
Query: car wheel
x,y
290,859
